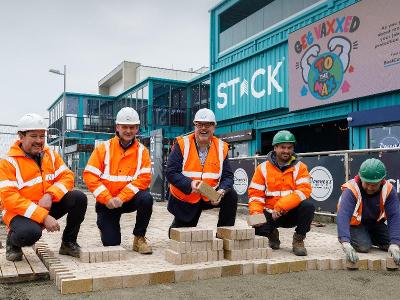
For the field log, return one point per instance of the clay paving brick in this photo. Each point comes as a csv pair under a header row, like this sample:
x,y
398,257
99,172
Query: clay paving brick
x,y
228,232
212,255
374,264
233,254
173,257
162,277
297,266
84,255
208,272
185,275
101,282
390,264
228,244
351,266
311,264
260,267
336,264
274,267
231,270
363,264
62,275
176,246
135,280
248,268
383,264
181,234
221,254
76,285
323,264
256,219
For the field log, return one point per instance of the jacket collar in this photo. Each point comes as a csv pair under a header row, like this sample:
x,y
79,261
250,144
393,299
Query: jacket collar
x,y
16,150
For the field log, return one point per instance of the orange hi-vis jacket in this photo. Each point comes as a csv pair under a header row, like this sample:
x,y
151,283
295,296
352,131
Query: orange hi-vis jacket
x,y
114,172
271,189
357,214
23,183
192,168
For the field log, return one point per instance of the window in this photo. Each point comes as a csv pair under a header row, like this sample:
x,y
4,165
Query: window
x,y
384,137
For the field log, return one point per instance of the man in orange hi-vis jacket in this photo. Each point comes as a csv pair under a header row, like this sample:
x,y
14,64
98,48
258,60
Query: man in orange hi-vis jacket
x,y
118,174
36,190
279,189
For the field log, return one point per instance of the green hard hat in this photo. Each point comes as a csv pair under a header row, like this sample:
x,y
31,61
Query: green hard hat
x,y
283,136
372,170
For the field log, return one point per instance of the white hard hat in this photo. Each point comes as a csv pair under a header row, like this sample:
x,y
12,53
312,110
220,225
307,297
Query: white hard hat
x,y
127,116
205,115
31,121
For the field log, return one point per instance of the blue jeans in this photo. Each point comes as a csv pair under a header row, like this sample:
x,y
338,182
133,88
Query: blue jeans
x,y
363,236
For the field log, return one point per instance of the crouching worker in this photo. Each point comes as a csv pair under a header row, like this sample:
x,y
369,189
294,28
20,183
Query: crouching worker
x,y
36,190
367,201
118,174
279,190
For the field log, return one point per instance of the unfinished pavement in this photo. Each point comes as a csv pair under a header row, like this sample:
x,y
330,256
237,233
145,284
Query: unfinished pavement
x,y
74,276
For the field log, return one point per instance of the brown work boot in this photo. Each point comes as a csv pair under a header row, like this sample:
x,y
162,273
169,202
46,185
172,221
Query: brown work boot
x,y
273,239
70,248
298,244
13,253
140,245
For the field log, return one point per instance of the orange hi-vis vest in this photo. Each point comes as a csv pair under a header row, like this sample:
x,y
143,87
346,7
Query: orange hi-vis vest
x,y
357,214
23,183
271,189
113,172
210,173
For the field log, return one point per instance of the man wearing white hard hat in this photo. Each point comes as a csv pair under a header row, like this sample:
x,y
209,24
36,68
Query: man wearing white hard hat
x,y
36,190
198,157
118,174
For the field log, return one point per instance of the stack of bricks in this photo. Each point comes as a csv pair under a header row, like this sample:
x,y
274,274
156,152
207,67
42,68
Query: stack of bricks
x,y
103,254
193,245
242,244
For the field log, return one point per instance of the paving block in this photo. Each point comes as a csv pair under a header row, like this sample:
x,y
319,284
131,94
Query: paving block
x,y
374,264
363,264
256,219
298,266
247,268
233,254
76,285
231,270
106,256
123,255
323,264
185,275
181,234
208,272
311,264
84,255
202,256
260,267
104,282
212,255
53,270
162,277
221,255
351,266
92,257
228,244
173,257
336,264
99,256
210,235
228,232
197,235
113,255
135,280
62,275
383,264
391,265
208,191
275,267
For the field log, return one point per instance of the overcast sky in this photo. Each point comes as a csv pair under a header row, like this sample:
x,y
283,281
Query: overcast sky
x,y
91,37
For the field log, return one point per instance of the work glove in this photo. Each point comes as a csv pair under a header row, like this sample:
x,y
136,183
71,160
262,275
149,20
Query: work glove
x,y
394,251
351,254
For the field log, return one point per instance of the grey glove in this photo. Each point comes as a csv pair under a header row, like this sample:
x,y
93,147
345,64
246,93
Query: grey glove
x,y
351,254
394,251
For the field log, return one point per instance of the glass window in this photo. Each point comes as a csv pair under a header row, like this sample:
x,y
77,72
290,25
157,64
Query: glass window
x,y
384,137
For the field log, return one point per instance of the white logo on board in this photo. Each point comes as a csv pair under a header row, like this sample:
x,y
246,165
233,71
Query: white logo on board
x,y
321,183
241,181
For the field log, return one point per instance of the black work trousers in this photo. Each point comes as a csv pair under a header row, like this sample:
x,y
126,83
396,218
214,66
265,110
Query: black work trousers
x,y
108,220
300,216
25,232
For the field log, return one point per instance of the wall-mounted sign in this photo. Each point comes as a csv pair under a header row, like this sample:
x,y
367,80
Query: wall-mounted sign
x,y
237,136
350,54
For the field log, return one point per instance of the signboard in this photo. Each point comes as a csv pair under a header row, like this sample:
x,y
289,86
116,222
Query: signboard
x,y
243,171
350,54
156,156
237,136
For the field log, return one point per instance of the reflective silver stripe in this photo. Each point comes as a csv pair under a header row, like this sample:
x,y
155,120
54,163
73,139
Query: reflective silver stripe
x,y
61,169
263,168
384,194
145,170
211,176
50,177
259,199
301,195
53,158
132,188
278,193
99,190
186,146
303,180
221,160
296,170
139,162
31,182
61,187
358,196
269,210
93,170
115,178
107,157
8,183
29,211
17,171
257,186
192,174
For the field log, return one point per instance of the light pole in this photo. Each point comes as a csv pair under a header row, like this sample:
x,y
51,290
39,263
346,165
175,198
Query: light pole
x,y
64,120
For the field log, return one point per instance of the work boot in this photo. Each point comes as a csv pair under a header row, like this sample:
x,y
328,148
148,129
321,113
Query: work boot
x,y
273,239
298,244
13,253
70,248
140,245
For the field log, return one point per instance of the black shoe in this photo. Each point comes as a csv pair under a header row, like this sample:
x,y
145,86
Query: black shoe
x,y
273,239
70,248
13,253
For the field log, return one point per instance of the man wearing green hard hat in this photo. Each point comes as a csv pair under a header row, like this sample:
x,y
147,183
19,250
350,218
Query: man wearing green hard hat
x,y
279,189
367,201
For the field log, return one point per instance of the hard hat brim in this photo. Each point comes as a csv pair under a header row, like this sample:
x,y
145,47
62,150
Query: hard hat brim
x,y
370,180
127,123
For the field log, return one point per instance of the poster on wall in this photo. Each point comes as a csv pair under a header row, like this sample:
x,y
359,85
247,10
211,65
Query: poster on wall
x,y
350,54
157,175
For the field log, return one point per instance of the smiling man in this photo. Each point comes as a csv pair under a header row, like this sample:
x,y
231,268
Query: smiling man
x,y
197,157
36,190
118,174
279,189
